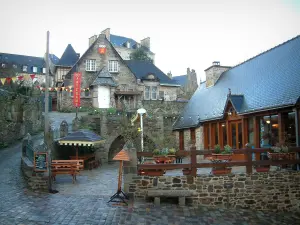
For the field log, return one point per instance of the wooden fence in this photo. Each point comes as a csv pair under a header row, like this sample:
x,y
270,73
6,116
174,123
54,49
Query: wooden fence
x,y
248,163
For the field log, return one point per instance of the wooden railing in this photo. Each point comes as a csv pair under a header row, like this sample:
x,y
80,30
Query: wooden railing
x,y
193,165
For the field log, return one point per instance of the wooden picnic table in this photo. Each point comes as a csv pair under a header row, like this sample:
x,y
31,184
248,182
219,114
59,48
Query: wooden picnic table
x,y
85,158
71,167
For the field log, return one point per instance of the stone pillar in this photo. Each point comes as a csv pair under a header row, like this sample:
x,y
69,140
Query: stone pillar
x,y
75,124
64,128
26,140
130,169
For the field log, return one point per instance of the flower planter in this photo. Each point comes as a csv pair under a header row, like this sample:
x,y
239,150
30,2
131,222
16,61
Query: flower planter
x,y
221,171
262,169
280,156
186,171
227,157
151,172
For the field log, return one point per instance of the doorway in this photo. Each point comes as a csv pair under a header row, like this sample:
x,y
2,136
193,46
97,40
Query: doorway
x,y
236,138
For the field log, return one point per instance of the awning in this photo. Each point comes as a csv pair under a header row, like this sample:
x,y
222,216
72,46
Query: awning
x,y
81,138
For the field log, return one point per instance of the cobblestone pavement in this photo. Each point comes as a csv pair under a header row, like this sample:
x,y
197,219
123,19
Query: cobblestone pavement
x,y
86,203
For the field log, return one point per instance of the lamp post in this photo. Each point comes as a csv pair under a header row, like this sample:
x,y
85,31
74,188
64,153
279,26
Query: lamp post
x,y
142,111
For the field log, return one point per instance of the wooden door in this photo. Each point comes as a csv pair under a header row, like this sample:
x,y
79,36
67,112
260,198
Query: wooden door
x,y
236,138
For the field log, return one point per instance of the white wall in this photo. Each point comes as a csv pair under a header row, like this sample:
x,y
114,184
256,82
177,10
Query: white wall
x,y
103,96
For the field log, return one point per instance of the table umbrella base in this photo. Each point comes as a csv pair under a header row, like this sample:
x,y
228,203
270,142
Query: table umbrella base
x,y
119,196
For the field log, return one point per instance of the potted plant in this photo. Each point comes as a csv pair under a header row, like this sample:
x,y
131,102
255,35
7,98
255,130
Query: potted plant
x,y
223,156
280,152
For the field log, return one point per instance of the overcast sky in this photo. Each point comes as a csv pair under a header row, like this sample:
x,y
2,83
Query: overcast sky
x,y
189,33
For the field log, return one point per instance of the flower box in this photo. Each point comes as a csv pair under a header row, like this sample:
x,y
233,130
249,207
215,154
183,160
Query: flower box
x,y
186,171
262,169
281,156
158,172
221,171
227,157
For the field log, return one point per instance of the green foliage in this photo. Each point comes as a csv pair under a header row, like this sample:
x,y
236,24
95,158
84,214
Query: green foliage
x,y
217,149
156,152
172,151
140,54
111,111
3,145
227,149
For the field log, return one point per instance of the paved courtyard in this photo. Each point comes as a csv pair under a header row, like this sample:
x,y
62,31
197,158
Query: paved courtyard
x,y
86,202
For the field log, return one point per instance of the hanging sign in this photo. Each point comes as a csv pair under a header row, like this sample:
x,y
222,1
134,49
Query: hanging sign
x,y
76,92
102,49
40,161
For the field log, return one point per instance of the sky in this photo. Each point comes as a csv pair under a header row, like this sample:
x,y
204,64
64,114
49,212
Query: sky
x,y
189,33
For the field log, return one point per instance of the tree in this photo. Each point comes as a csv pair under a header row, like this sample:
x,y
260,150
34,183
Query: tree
x,y
140,54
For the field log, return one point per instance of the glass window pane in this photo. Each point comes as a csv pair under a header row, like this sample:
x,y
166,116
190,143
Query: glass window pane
x,y
216,133
240,136
154,89
208,137
251,131
290,129
224,131
233,135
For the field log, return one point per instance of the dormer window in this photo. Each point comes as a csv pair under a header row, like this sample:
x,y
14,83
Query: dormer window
x,y
3,65
34,69
151,77
15,66
24,69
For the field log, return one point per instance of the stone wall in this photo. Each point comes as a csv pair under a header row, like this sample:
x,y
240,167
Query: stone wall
x,y
278,191
35,181
19,115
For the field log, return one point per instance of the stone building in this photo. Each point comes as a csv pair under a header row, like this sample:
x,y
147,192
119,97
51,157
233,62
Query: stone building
x,y
12,65
255,102
188,83
65,63
125,46
115,82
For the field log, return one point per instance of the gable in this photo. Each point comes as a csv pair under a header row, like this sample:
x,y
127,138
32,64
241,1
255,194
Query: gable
x,y
102,60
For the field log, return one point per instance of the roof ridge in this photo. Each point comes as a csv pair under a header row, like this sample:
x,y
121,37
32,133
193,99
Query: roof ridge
x,y
283,43
22,55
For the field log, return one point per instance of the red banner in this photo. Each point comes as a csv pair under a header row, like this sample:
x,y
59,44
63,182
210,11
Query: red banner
x,y
76,90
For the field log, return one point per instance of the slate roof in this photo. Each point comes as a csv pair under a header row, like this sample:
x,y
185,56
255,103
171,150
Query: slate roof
x,y
119,40
269,80
104,78
54,59
180,79
143,68
69,57
23,60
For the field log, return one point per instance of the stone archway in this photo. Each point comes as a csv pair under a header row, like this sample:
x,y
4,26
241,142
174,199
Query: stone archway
x,y
116,146
116,143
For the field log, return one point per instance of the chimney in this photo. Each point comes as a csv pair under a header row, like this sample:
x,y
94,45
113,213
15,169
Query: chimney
x,y
214,72
92,40
107,33
127,44
170,75
146,42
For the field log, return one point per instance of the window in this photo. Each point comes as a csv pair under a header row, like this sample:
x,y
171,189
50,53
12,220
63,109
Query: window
x,y
3,65
154,93
24,69
147,92
34,69
113,66
44,70
161,95
269,131
224,132
15,66
90,65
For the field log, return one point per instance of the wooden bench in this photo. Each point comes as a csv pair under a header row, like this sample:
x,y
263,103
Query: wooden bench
x,y
181,194
71,167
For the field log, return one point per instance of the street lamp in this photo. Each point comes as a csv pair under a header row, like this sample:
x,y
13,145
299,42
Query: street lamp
x,y
142,111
